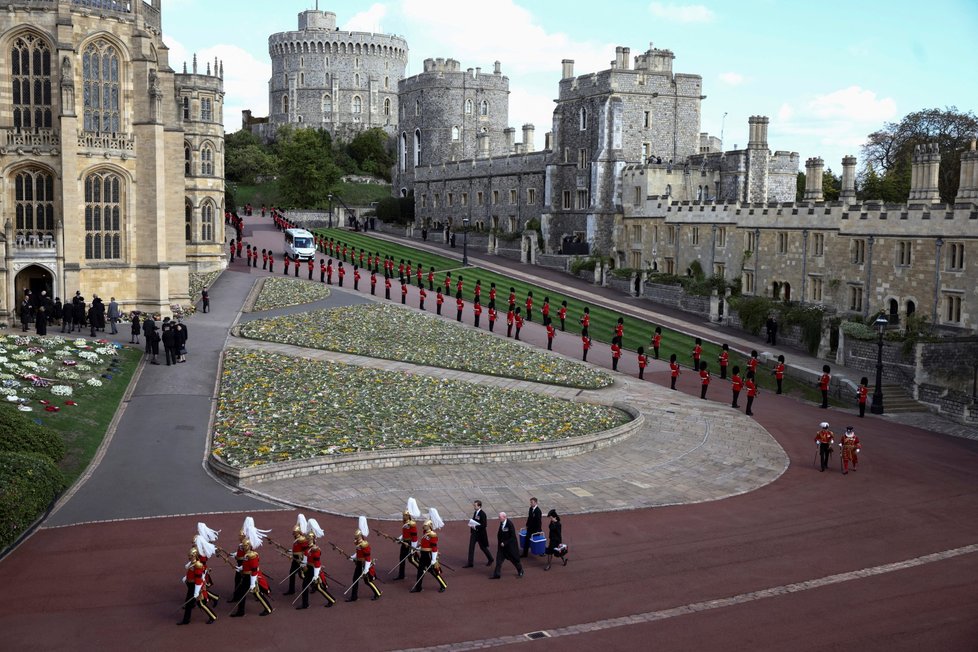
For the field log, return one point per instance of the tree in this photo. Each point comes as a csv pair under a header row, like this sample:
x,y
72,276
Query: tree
x,y
306,168
889,150
372,151
831,186
800,187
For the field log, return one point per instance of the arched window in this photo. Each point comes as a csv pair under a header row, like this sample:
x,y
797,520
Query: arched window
x,y
484,108
187,160
103,216
186,108
387,106
356,80
188,221
357,104
417,107
102,78
417,147
207,161
387,82
30,60
285,104
302,79
583,119
403,148
468,107
34,203
456,133
207,222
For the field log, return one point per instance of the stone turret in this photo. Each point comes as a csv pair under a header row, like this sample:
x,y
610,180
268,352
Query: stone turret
x,y
848,179
814,168
567,66
758,132
528,130
924,173
968,190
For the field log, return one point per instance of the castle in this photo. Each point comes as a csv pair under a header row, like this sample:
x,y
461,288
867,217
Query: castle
x,y
343,82
112,164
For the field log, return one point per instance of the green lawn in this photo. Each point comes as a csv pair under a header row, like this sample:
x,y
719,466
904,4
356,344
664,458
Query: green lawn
x,y
637,332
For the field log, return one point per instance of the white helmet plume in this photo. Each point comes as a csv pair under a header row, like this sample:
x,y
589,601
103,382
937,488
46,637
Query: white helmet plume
x,y
436,521
204,547
255,536
314,528
302,524
207,533
412,508
364,530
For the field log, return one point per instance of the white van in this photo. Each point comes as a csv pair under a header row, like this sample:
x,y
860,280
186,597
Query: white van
x,y
299,243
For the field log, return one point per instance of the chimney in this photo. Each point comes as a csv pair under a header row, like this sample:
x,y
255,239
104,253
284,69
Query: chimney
x,y
568,68
548,140
968,190
510,136
814,167
497,68
757,137
528,138
626,54
618,56
848,179
924,168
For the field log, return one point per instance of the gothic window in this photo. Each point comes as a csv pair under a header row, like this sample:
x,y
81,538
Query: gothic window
x,y
102,77
484,108
186,108
302,79
327,105
468,107
357,104
356,80
103,216
34,203
207,222
583,119
456,133
187,160
387,106
387,82
417,147
207,161
417,107
285,104
31,67
403,148
188,221
206,109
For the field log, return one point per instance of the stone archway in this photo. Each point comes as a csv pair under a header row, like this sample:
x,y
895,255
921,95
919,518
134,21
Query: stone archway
x,y
36,279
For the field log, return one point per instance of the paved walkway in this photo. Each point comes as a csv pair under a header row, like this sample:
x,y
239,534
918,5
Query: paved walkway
x,y
687,451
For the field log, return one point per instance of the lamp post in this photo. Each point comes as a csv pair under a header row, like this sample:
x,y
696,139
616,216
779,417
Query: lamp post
x,y
465,242
877,405
330,198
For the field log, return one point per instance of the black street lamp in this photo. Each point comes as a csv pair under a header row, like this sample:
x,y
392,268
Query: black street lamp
x,y
330,197
877,405
465,242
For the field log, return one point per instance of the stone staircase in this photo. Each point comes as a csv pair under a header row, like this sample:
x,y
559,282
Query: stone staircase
x,y
896,399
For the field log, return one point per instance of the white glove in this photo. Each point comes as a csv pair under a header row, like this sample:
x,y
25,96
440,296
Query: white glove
x,y
353,557
434,557
303,563
857,450
400,539
254,582
414,544
197,590
183,579
237,569
366,566
188,565
315,574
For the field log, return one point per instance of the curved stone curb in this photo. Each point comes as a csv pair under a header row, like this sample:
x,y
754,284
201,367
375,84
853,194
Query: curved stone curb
x,y
252,298
432,455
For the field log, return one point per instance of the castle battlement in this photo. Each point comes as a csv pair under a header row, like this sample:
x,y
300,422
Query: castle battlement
x,y
448,73
532,162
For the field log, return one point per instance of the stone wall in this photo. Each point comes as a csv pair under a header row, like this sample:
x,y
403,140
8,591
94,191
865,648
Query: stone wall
x,y
554,261
898,368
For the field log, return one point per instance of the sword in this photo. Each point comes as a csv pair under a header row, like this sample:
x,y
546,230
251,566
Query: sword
x,y
247,593
430,566
355,581
292,573
398,565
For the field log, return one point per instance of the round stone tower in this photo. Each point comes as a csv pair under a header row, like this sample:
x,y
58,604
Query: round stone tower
x,y
343,82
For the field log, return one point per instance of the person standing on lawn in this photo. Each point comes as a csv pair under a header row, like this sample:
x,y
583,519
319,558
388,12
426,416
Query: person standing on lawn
x,y
656,342
562,314
724,359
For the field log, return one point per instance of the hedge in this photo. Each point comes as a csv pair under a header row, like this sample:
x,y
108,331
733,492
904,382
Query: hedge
x,y
19,433
28,484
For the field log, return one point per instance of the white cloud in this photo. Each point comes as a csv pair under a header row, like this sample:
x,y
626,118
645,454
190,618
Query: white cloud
x,y
731,78
785,112
369,20
854,103
681,13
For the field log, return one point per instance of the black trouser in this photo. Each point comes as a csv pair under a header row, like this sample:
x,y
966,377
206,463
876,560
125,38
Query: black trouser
x,y
641,373
475,538
723,373
672,383
476,322
614,363
207,305
655,352
561,323
584,357
703,389
190,603
862,409
322,276
458,315
492,323
503,554
750,402
509,330
736,395
823,454
293,572
403,554
425,565
550,344
779,381
320,588
825,398
517,332
357,572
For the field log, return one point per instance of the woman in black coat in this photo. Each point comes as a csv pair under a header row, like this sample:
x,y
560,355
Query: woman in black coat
x,y
555,547
134,339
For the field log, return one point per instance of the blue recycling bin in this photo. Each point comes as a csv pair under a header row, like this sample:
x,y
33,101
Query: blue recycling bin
x,y
522,538
538,544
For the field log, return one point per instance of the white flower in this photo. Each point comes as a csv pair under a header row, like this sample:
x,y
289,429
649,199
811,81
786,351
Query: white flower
x,y
8,391
94,382
61,390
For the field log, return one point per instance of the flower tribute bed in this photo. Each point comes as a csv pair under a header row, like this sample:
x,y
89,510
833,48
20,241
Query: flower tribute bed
x,y
392,333
275,408
281,292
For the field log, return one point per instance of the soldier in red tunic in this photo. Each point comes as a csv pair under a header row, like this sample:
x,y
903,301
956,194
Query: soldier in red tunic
x,y
271,262
519,323
704,379
299,546
373,282
407,271
311,265
356,278
340,273
673,371
313,572
850,450
264,259
254,583
448,282
240,246
724,359
615,352
551,332
823,385
387,286
512,298
404,292
492,315
545,309
329,272
364,568
322,270
429,559
656,342
510,320
751,392
529,305
459,305
431,279
492,293
586,319
231,249
697,354
476,312
861,394
459,285
400,270
620,328
422,295
439,299
824,439
477,290
420,276
287,262
737,384
779,372
643,362
752,362
585,343
409,544
196,589
562,315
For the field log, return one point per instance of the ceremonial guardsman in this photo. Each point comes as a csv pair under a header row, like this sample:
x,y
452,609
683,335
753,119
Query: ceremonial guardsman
x,y
311,265
459,285
585,343
299,546
562,314
823,385
673,371
196,589
286,263
422,295
529,305
264,259
510,320
478,290
313,576
492,293
861,395
545,309
477,312
448,282
356,278
322,270
404,291
240,247
779,372
620,328
737,384
400,270
364,567
231,249
697,354
459,305
656,342
519,323
615,352
387,286
751,392
431,279
409,543
551,332
420,276
824,439
752,362
704,379
248,255
429,559
340,273
407,271
643,362
439,300
724,360
253,580
271,262
492,315
850,450
512,298
204,543
586,319
329,272
373,282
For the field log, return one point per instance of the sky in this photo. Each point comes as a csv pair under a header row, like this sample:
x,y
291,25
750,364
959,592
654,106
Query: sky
x,y
826,73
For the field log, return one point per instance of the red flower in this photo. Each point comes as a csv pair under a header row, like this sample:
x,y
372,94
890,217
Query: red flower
x,y
70,403
52,408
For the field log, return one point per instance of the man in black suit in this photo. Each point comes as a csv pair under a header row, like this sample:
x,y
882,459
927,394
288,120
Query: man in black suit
x,y
478,534
534,524
509,547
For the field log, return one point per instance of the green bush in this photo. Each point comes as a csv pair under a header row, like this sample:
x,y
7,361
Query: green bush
x,y
19,434
752,311
665,279
808,317
28,484
857,330
579,265
624,273
696,270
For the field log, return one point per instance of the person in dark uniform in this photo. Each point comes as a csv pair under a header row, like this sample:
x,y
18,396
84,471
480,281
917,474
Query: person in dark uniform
x,y
507,546
428,563
300,544
387,286
409,544
264,259
271,263
363,568
478,534
136,329
534,524
287,262
555,546
340,273
205,300
169,345
196,590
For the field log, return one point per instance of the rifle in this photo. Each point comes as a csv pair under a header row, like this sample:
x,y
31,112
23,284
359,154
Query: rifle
x,y
282,550
223,555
